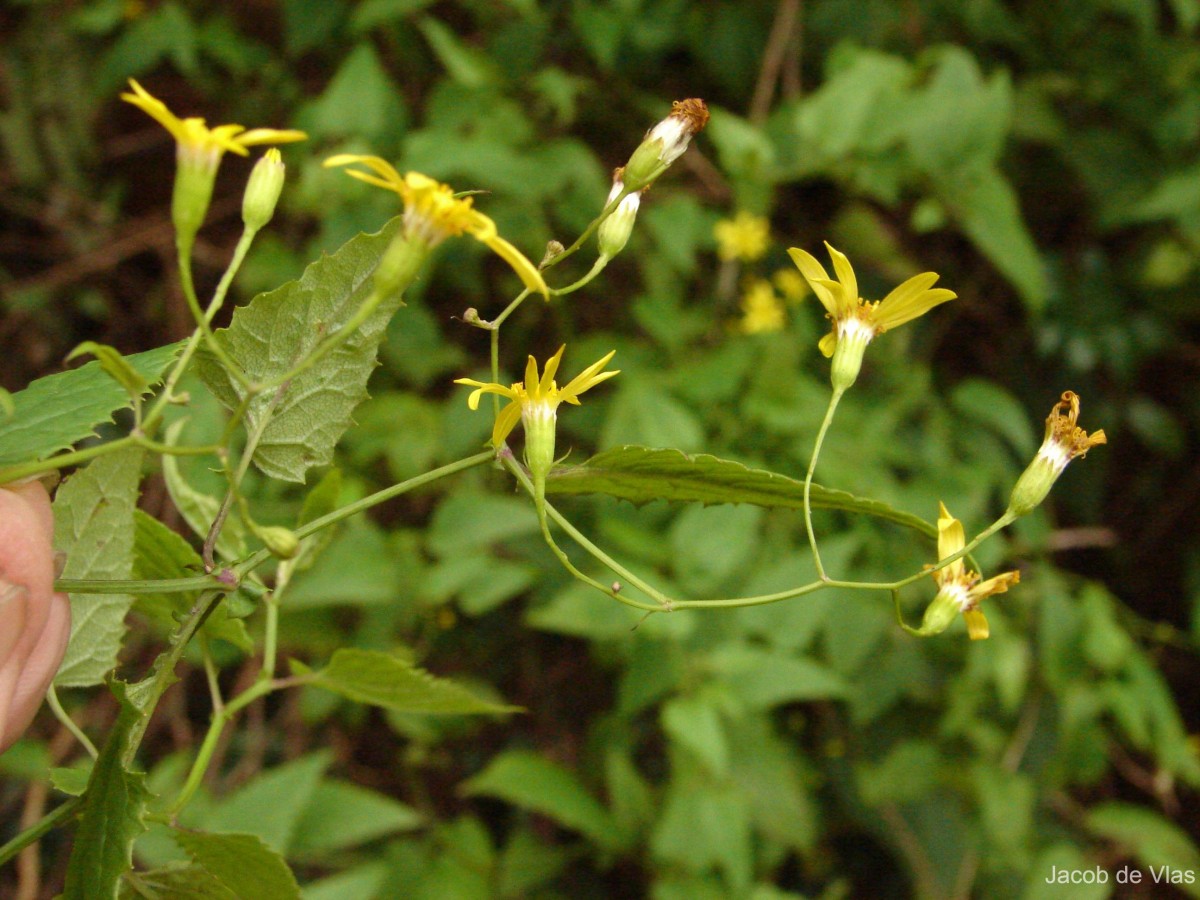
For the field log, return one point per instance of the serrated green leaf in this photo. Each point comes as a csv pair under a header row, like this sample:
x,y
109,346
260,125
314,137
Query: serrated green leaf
x,y
112,815
93,526
381,679
160,553
175,881
642,474
116,365
272,333
535,783
198,509
270,805
242,863
56,412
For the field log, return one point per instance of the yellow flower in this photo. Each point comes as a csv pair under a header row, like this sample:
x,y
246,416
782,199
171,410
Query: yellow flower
x,y
791,284
433,213
199,144
960,590
535,399
745,237
761,309
856,319
1064,440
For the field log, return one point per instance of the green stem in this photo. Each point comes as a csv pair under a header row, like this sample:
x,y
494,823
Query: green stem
x,y
63,460
141,586
597,268
591,229
812,467
50,821
221,718
255,559
69,723
203,317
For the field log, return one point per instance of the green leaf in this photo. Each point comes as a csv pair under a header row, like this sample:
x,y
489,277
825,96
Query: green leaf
x,y
176,881
93,526
464,64
341,815
381,679
642,474
534,783
986,208
276,330
762,680
271,805
1162,847
242,863
56,412
73,781
116,365
198,509
112,814
160,553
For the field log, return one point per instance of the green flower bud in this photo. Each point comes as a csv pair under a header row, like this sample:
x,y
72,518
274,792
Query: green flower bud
x,y
400,264
262,190
282,542
614,231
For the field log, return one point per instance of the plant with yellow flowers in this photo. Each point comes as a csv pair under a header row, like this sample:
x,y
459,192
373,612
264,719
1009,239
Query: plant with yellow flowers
x,y
287,371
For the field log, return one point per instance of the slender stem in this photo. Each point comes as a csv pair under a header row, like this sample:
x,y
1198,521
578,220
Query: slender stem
x,y
51,820
221,718
63,460
202,317
239,254
664,602
595,223
69,723
255,559
812,467
146,586
597,268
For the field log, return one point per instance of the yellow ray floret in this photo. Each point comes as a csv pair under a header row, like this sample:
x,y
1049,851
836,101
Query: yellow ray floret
x,y
195,139
537,398
854,317
432,212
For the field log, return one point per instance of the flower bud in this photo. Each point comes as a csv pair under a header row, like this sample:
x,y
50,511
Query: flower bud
x,y
1063,441
614,231
35,622
942,610
853,337
665,142
262,190
282,542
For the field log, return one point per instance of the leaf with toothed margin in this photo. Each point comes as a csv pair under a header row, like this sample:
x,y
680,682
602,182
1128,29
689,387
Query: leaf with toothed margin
x,y
642,474
56,412
276,330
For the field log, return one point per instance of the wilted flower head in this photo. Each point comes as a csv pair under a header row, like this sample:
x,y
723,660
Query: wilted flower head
x,y
1064,440
35,622
666,141
433,213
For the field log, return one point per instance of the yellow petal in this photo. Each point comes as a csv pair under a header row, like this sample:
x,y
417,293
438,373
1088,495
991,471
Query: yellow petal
x,y
997,585
828,344
588,378
977,625
817,278
547,383
951,539
155,108
525,270
911,299
532,382
388,176
845,274
506,422
271,136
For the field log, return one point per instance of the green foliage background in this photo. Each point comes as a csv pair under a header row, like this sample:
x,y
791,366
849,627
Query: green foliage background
x,y
1041,158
